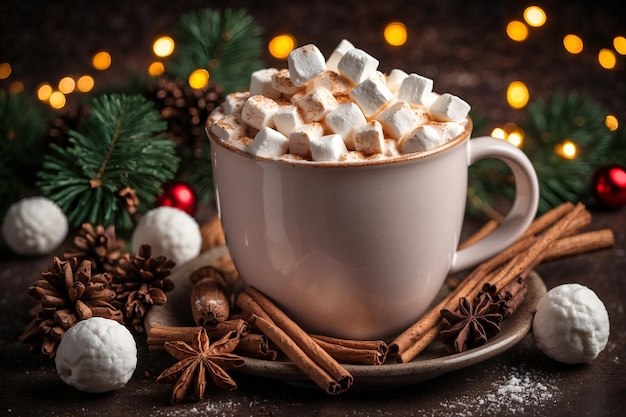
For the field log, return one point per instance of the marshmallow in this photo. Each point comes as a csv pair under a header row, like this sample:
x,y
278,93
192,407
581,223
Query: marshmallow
x,y
422,138
315,104
268,143
397,119
391,148
305,63
415,90
233,102
261,83
296,97
449,108
371,95
258,111
287,118
281,81
328,148
448,130
395,78
357,65
337,84
369,139
343,46
343,119
229,127
301,137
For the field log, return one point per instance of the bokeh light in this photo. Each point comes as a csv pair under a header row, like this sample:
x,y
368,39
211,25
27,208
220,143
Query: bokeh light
x,y
395,33
619,43
516,138
281,45
517,30
611,122
517,95
85,83
44,91
199,79
164,46
5,70
16,87
607,59
573,43
535,16
57,100
67,85
101,60
156,68
567,149
498,133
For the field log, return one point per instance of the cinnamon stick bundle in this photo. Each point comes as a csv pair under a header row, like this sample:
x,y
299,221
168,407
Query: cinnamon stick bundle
x,y
294,342
538,243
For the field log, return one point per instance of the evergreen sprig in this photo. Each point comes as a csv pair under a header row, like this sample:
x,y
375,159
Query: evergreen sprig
x,y
226,43
122,146
22,127
548,125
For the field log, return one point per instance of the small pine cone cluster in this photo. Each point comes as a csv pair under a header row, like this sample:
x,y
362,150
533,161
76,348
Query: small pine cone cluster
x,y
96,278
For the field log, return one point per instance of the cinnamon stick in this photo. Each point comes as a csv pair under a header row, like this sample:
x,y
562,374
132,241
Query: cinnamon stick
x,y
257,346
481,233
298,356
158,335
353,351
580,243
286,334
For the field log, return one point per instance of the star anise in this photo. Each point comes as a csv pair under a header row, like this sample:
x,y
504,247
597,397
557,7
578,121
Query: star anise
x,y
67,293
473,324
201,363
141,281
97,244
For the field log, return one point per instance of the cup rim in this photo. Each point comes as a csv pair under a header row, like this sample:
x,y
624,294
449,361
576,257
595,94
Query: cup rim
x,y
465,135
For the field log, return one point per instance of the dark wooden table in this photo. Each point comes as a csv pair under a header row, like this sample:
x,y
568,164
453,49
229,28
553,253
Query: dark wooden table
x,y
31,387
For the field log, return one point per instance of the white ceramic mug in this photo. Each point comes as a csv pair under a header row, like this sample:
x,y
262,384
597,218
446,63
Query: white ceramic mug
x,y
360,250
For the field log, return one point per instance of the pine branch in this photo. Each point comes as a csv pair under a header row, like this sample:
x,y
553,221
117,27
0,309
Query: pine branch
x,y
22,129
225,43
122,149
548,125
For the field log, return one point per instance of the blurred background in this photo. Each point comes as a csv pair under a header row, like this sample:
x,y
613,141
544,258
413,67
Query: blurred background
x,y
498,56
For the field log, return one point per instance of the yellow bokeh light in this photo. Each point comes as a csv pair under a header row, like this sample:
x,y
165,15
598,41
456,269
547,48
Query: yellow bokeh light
x,y
516,138
607,59
67,85
611,122
395,34
535,16
57,100
44,91
567,149
5,70
164,46
498,133
281,45
101,60
199,79
16,87
85,83
156,68
517,30
573,44
517,95
619,43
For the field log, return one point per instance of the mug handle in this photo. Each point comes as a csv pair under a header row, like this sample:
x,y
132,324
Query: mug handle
x,y
521,213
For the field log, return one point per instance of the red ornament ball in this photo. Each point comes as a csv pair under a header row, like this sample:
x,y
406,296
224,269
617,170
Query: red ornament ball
x,y
609,186
180,195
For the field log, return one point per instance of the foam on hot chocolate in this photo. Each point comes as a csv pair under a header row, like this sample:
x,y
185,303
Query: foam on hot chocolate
x,y
340,110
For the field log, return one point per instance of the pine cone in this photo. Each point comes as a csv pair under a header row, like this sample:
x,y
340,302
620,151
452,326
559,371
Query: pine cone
x,y
184,109
140,282
67,293
99,245
71,119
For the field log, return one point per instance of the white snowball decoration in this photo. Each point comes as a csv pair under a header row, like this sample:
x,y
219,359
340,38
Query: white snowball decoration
x,y
170,232
571,324
34,226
